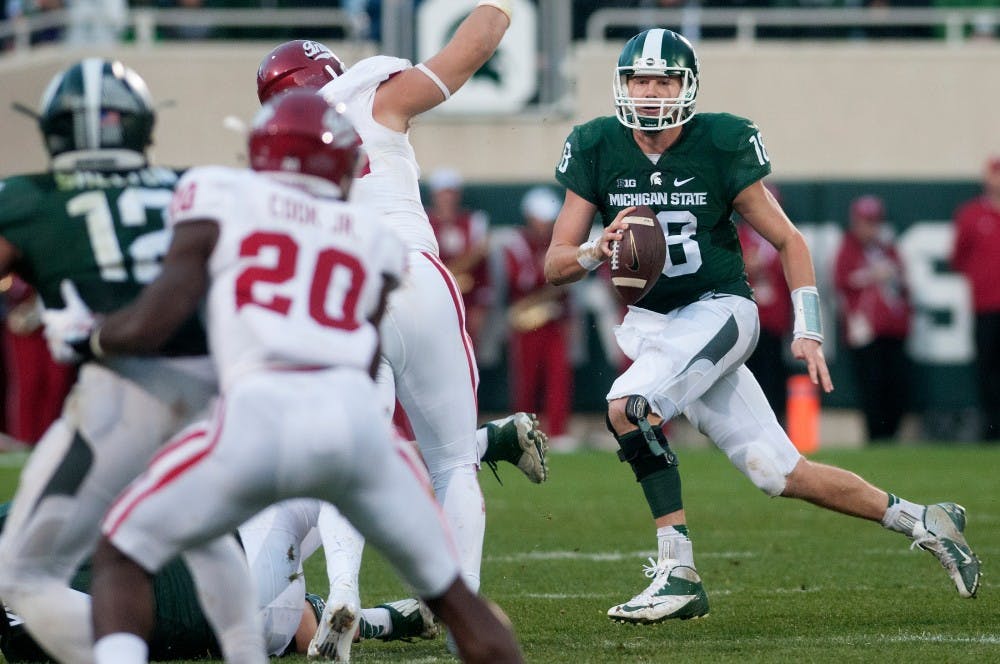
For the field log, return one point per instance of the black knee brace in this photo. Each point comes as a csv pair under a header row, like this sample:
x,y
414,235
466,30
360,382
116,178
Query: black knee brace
x,y
645,449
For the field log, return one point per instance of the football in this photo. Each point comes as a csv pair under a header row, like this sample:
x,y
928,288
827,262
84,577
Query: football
x,y
638,258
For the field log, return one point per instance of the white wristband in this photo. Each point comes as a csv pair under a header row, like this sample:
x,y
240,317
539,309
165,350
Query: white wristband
x,y
808,321
95,342
587,255
502,5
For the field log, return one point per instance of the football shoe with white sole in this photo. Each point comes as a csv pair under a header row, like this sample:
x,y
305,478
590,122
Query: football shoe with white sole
x,y
675,592
942,533
337,626
518,439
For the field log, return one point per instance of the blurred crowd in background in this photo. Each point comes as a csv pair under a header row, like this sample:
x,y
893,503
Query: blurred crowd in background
x,y
535,329
365,18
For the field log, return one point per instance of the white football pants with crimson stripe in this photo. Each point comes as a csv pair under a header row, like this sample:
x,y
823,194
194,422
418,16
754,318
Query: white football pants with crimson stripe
x,y
278,435
112,423
434,372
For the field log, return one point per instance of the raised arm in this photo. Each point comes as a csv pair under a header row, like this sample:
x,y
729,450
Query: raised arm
x,y
421,88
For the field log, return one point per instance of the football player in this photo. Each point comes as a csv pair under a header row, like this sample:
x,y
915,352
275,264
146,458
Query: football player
x,y
295,281
94,217
431,368
690,335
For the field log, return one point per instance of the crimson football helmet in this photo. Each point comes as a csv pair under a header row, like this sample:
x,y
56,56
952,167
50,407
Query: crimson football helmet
x,y
299,132
299,63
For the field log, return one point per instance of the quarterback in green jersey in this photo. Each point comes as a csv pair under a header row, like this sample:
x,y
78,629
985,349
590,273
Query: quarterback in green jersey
x,y
690,335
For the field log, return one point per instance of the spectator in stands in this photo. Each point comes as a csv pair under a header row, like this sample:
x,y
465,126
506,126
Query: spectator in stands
x,y
977,245
463,241
984,26
540,318
192,30
875,316
26,8
95,23
767,278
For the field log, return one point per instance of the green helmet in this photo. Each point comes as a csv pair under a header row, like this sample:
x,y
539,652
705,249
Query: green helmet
x,y
97,114
656,52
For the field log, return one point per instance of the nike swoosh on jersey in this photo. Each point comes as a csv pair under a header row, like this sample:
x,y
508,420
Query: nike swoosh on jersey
x,y
678,182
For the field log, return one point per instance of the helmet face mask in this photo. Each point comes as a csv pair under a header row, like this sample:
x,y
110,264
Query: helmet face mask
x,y
299,63
656,52
299,133
97,114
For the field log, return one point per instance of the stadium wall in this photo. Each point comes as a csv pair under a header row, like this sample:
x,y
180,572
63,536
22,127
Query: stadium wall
x,y
911,122
844,110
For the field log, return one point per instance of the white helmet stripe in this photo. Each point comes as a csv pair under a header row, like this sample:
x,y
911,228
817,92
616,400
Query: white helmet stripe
x,y
652,47
93,70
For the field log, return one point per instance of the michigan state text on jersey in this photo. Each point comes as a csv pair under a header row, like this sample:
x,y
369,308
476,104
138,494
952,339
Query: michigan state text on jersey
x,y
691,187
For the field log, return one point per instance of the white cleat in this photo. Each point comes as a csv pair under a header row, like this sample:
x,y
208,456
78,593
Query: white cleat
x,y
335,634
518,439
675,593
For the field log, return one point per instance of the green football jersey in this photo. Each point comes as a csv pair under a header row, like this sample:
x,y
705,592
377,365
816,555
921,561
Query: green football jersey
x,y
181,630
103,231
691,187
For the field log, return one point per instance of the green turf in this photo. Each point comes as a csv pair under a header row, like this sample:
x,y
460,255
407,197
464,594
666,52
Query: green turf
x,y
786,581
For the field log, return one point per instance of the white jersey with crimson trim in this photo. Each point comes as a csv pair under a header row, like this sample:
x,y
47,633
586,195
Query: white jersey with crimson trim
x,y
295,276
392,185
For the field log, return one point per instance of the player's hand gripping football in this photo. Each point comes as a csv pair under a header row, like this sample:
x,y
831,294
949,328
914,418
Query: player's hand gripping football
x,y
67,330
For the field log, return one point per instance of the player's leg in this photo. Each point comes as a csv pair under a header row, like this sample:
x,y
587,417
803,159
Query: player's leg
x,y
342,549
677,358
109,429
392,506
735,416
481,630
273,542
224,471
436,380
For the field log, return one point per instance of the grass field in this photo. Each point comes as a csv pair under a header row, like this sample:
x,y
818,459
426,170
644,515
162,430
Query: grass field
x,y
786,581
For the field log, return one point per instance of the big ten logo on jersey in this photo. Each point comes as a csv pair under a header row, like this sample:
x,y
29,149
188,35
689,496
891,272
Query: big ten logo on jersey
x,y
625,183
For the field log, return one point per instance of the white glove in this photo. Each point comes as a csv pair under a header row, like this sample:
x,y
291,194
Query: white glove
x,y
67,330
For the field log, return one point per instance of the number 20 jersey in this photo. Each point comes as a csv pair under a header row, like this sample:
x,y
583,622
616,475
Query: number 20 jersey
x,y
691,187
295,277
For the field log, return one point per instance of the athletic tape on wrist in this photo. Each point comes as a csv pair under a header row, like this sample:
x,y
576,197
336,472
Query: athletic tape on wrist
x,y
95,342
585,256
808,321
502,5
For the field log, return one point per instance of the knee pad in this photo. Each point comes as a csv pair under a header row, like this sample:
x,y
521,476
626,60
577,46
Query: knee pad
x,y
645,449
761,469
